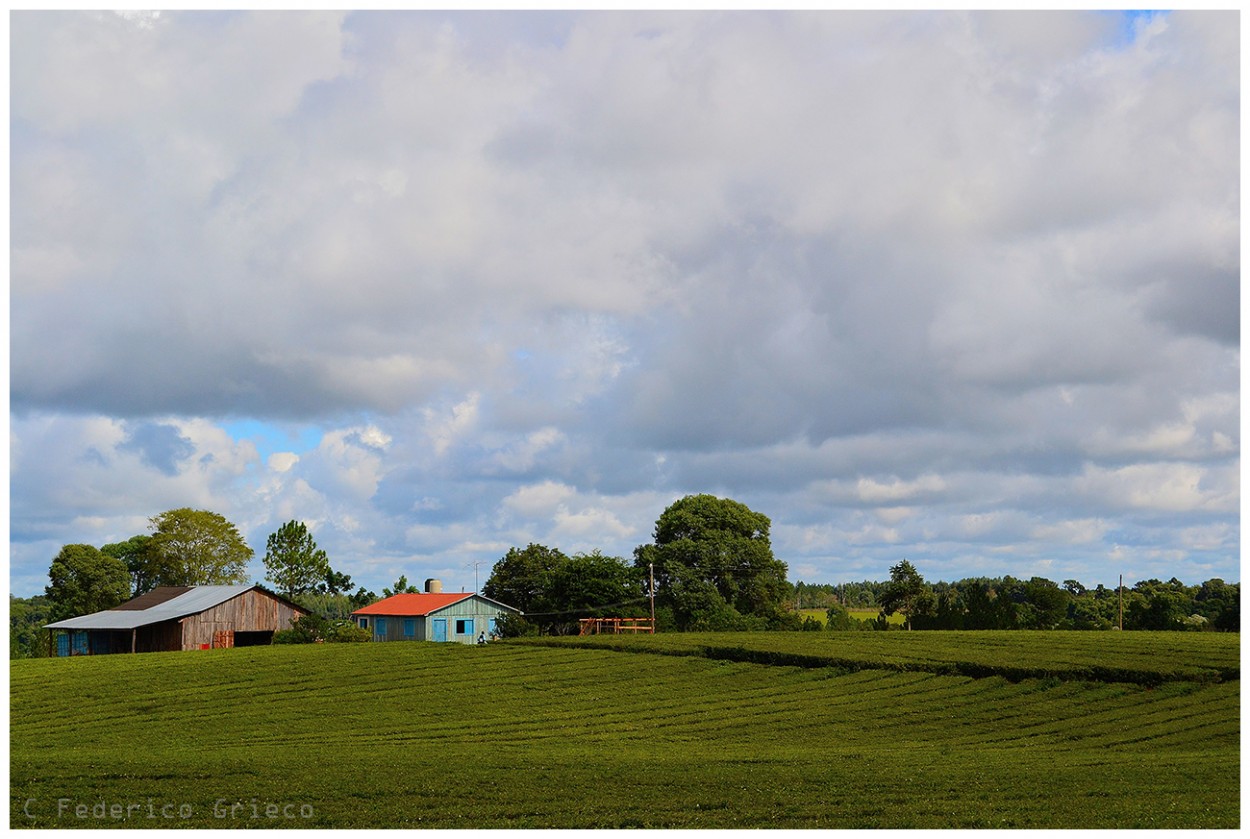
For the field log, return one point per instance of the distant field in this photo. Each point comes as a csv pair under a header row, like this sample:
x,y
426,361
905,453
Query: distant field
x,y
859,614
580,736
1137,657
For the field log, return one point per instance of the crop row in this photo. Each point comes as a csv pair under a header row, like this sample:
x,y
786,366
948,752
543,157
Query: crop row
x,y
1137,658
394,735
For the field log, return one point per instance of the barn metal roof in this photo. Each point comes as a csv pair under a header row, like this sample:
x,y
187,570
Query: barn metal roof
x,y
419,605
189,602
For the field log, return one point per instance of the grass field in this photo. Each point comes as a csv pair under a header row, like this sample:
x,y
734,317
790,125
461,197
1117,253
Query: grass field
x,y
517,735
895,619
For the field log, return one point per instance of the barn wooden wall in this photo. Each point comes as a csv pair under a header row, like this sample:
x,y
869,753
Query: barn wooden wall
x,y
252,611
158,637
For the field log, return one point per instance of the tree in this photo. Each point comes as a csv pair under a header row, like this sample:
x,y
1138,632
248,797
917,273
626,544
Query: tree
x,y
293,562
714,564
524,578
1158,605
335,583
84,581
306,629
904,593
838,619
197,547
594,585
1050,603
27,617
400,586
135,553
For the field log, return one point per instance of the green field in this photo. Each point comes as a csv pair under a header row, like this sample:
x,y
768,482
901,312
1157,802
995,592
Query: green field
x,y
518,735
895,619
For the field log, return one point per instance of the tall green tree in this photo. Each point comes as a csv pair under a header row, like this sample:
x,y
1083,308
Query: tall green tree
x,y
594,585
714,564
83,580
335,583
524,578
293,562
144,572
197,547
905,593
1050,604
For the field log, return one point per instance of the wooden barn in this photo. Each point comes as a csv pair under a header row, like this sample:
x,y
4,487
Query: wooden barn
x,y
178,618
433,616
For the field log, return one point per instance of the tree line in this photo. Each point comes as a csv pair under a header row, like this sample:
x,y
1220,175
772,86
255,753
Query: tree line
x,y
709,567
1039,603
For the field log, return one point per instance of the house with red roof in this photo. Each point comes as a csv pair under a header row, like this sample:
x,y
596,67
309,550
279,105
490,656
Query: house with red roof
x,y
461,618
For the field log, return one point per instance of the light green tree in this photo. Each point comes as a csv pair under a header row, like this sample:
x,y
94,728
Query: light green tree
x,y
197,547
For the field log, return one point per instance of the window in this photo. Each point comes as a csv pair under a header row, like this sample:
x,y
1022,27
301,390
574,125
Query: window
x,y
464,626
364,623
379,626
410,628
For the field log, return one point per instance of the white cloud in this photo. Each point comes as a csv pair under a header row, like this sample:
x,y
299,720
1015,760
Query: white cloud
x,y
540,500
948,285
875,492
282,461
445,429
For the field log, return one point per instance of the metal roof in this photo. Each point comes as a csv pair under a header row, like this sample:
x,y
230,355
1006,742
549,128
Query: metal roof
x,y
155,597
190,602
419,605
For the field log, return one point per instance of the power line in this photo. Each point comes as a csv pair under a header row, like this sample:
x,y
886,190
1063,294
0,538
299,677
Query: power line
x,y
586,608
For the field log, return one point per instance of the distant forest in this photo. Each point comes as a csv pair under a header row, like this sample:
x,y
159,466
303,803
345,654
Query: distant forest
x,y
1038,603
974,603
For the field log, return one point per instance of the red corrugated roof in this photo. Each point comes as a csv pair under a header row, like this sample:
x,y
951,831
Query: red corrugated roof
x,y
412,604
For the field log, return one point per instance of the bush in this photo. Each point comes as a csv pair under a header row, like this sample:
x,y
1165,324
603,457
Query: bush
x,y
346,632
308,629
514,626
837,619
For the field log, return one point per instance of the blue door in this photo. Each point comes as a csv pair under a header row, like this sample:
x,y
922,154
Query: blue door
x,y
440,629
62,644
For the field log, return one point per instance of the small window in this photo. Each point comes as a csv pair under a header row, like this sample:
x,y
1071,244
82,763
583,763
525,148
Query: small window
x,y
364,623
410,628
379,626
464,626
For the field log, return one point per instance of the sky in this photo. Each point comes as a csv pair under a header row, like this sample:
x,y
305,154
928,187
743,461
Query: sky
x,y
961,289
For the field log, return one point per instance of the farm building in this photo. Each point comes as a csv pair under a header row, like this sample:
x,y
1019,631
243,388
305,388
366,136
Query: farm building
x,y
179,618
432,616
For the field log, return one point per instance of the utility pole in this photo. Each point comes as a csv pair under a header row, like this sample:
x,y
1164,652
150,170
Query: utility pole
x,y
651,567
475,563
1121,602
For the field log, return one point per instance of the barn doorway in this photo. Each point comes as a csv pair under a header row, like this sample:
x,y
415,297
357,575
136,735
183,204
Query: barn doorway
x,y
253,639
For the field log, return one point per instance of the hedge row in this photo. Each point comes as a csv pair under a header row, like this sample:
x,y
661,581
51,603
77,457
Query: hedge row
x,y
975,670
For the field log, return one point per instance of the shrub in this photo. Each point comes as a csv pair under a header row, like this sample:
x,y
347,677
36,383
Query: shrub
x,y
346,632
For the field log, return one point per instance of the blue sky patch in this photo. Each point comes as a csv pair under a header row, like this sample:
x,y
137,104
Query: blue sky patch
x,y
275,437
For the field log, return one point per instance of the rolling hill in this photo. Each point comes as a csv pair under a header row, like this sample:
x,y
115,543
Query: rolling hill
x,y
579,735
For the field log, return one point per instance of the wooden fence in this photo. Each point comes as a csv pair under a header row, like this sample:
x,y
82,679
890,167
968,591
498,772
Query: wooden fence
x,y
614,626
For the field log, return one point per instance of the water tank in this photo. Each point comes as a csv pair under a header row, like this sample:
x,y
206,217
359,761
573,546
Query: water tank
x,y
433,586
